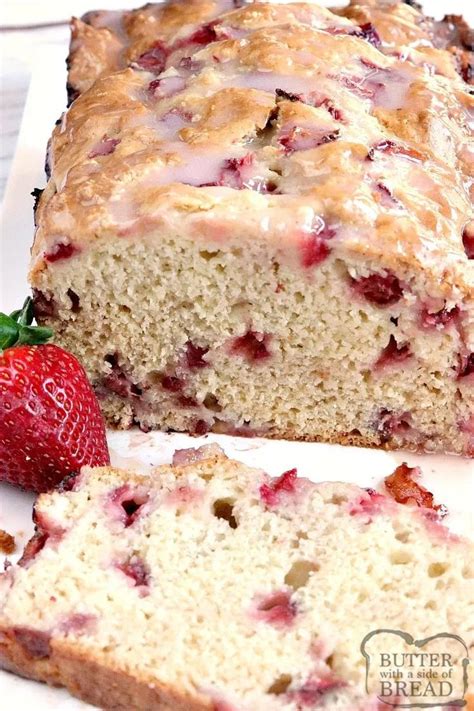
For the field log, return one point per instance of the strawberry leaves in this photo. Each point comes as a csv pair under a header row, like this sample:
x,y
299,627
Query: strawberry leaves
x,y
16,329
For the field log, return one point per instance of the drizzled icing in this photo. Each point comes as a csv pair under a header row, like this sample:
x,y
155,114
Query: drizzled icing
x,y
170,123
390,87
189,166
308,109
269,81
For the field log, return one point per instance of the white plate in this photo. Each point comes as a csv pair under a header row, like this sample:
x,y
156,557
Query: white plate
x,y
449,478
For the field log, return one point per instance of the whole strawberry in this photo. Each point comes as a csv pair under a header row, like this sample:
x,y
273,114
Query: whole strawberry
x,y
50,421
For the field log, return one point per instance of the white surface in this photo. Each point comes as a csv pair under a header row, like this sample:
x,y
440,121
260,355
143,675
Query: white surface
x,y
16,12
31,12
20,51
451,479
27,172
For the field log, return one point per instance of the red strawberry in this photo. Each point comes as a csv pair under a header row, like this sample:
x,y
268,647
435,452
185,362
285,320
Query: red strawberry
x,y
50,421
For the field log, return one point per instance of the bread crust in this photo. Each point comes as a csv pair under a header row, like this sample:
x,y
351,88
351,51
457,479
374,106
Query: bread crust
x,y
100,686
142,167
93,682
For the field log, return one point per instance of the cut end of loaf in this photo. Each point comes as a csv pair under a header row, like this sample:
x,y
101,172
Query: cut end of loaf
x,y
249,345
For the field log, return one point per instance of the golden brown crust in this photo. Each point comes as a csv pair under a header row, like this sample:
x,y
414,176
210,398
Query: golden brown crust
x,y
446,45
93,52
103,42
349,439
129,162
93,682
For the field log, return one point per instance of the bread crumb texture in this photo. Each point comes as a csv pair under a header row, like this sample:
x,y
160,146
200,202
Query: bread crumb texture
x,y
209,585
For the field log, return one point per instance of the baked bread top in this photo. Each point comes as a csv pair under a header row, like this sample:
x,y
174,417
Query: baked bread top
x,y
278,122
105,41
211,579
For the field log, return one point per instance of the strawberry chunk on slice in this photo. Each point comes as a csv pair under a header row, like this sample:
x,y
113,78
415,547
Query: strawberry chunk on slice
x,y
35,643
468,240
61,250
404,488
379,289
195,356
252,346
300,138
277,609
393,354
104,147
315,247
154,59
466,367
310,694
438,320
270,493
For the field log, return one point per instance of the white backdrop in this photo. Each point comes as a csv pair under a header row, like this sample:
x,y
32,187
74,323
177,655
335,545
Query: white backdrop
x,y
15,12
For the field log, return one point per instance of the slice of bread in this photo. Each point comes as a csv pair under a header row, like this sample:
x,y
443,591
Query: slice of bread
x,y
212,586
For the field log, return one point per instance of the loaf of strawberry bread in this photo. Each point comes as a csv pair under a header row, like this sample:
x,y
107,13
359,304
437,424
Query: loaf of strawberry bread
x,y
211,586
259,221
